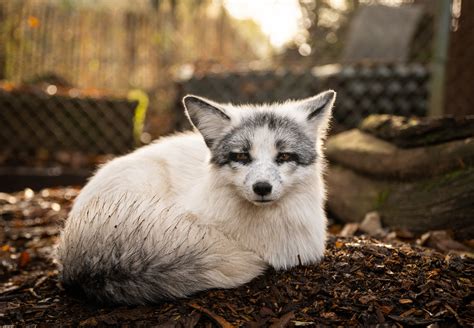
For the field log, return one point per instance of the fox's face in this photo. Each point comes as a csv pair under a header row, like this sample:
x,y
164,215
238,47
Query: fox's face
x,y
263,152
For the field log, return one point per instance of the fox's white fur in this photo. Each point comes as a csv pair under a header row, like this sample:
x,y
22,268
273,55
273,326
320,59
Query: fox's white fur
x,y
183,215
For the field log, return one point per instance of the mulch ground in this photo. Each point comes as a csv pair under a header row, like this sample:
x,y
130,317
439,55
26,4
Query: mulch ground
x,y
361,282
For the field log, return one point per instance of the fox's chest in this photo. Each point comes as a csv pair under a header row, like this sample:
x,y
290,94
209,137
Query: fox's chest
x,y
283,240
287,245
286,235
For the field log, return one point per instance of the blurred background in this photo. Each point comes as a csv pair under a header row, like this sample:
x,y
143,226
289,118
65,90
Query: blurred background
x,y
85,80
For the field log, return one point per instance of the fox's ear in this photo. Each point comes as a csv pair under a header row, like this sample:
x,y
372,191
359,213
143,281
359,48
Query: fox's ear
x,y
207,117
319,109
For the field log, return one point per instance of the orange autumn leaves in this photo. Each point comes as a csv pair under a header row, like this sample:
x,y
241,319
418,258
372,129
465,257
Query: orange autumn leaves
x,y
33,21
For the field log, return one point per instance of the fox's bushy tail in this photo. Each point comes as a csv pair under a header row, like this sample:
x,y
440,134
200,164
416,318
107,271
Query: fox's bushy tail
x,y
136,251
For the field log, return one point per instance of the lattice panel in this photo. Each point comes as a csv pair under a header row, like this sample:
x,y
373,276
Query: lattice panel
x,y
35,122
400,89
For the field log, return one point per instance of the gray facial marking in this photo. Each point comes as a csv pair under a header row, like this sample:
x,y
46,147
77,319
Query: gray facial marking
x,y
290,137
238,138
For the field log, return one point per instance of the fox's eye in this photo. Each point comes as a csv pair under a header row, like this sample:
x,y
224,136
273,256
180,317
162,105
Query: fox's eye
x,y
286,157
240,157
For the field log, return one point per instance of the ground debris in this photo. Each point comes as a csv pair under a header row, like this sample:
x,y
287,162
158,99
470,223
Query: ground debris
x,y
361,282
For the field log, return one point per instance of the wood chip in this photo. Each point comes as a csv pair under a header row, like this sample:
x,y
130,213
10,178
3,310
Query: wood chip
x,y
217,318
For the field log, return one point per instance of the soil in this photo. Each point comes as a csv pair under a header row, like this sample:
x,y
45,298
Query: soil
x,y
362,281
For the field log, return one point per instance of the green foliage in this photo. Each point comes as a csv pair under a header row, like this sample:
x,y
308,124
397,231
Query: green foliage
x,y
381,198
447,178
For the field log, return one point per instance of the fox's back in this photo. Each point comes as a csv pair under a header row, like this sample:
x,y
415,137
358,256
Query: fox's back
x,y
165,168
180,161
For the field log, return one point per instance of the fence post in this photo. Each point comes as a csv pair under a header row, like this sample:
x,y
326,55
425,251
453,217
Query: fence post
x,y
459,70
440,53
3,40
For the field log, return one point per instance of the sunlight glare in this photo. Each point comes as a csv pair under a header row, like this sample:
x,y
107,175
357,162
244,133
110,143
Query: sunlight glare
x,y
278,19
338,4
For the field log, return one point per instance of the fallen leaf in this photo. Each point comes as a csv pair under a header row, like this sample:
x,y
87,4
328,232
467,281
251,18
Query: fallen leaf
x,y
386,309
367,298
283,321
442,240
24,259
338,244
329,315
303,323
407,313
33,21
349,230
372,224
217,318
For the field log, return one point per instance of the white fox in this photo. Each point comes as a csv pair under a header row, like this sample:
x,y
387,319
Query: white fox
x,y
206,209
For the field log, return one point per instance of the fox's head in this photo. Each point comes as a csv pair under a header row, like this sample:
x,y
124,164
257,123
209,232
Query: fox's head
x,y
263,151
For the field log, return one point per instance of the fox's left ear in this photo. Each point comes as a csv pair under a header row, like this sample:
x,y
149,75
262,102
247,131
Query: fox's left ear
x,y
319,109
207,116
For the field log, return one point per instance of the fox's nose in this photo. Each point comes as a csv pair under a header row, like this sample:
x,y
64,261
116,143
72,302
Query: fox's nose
x,y
262,188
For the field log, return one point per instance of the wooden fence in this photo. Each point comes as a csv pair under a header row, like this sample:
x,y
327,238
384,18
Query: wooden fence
x,y
113,49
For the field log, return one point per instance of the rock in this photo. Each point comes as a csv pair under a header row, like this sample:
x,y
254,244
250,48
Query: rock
x,y
372,156
415,132
372,224
349,230
350,195
443,241
428,187
441,202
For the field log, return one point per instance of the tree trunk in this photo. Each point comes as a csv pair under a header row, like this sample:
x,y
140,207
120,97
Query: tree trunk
x,y
443,202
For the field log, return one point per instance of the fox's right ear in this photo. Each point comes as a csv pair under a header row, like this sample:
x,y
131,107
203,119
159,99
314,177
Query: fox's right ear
x,y
319,111
207,117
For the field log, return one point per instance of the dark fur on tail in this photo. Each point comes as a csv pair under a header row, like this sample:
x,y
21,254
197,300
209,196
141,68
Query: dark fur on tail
x,y
134,251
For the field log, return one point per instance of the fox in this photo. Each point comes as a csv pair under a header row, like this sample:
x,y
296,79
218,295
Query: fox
x,y
210,208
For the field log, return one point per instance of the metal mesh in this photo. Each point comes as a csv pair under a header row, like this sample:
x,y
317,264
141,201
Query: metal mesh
x,y
37,125
362,90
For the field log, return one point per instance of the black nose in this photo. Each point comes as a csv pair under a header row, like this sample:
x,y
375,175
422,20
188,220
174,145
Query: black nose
x,y
262,188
